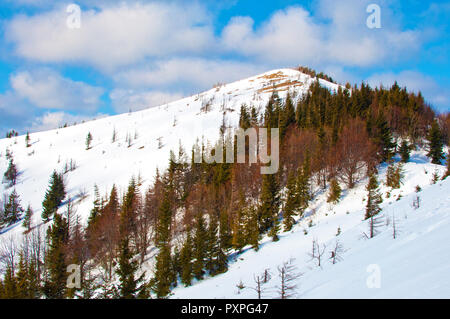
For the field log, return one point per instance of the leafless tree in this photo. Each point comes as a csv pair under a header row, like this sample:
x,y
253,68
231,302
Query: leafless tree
x,y
317,251
288,277
8,253
336,253
416,202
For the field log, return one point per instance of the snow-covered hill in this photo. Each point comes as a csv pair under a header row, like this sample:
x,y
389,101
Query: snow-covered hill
x,y
414,265
153,132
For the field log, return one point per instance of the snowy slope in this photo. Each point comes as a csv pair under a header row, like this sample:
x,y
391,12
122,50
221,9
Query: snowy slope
x,y
414,265
108,163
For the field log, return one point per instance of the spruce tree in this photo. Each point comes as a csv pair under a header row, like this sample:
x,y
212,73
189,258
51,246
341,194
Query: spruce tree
x,y
291,202
27,220
270,202
54,196
384,138
200,239
447,173
27,140
251,228
374,198
12,211
163,273
130,286
11,174
88,141
57,237
435,143
405,151
186,261
225,231
335,192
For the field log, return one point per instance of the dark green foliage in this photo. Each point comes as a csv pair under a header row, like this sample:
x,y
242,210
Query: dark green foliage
x,y
11,174
270,202
335,192
54,196
130,286
200,245
57,237
292,202
186,261
27,219
164,271
383,138
374,198
27,140
88,141
12,210
394,175
405,151
435,144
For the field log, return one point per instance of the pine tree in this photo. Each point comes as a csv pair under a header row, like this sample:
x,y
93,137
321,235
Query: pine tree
x,y
374,198
394,176
251,227
88,141
447,173
96,210
11,174
12,211
335,192
57,237
200,239
186,261
27,220
27,140
130,286
22,278
54,196
405,151
291,202
436,143
163,273
384,138
225,231
270,202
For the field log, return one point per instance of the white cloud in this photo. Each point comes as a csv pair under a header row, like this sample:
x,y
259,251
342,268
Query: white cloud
x,y
126,100
52,120
191,72
341,36
113,36
47,89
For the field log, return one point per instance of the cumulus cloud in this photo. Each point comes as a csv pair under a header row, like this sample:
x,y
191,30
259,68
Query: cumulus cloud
x,y
132,100
47,89
192,72
112,36
338,37
52,120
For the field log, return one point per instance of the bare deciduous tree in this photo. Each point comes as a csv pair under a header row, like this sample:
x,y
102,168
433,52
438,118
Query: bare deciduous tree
x,y
288,277
336,252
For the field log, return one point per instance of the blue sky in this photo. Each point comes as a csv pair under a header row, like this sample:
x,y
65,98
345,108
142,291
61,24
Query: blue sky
x,y
130,55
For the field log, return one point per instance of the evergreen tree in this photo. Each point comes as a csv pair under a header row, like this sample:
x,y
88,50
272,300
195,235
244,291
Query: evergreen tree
x,y
291,202
27,220
374,198
88,141
447,173
383,138
96,210
405,151
225,231
129,285
54,196
270,202
200,239
11,174
27,140
57,237
186,260
12,211
394,176
163,273
335,192
436,143
251,227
